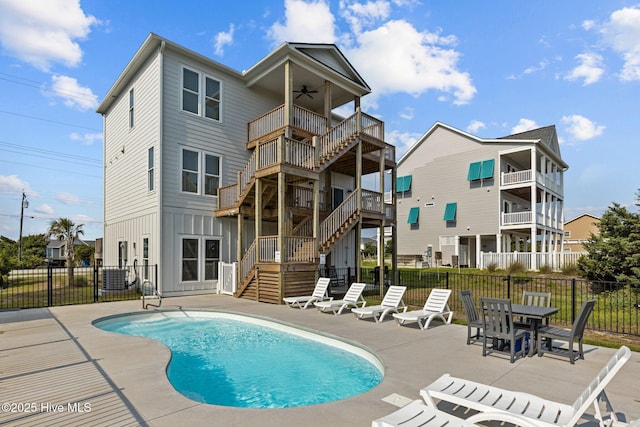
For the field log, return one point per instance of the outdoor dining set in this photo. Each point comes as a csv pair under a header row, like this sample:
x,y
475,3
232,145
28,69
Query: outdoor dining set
x,y
520,329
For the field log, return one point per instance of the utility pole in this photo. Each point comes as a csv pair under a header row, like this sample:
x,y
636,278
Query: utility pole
x,y
25,204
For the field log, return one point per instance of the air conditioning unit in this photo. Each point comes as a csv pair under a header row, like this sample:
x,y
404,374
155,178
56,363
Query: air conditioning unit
x,y
114,279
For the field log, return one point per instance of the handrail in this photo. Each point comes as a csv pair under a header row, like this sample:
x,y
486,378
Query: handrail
x,y
371,201
338,218
248,260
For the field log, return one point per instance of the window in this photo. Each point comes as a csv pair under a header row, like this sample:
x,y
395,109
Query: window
x,y
413,215
190,160
487,169
481,170
211,259
150,169
567,233
145,258
131,122
211,174
193,181
450,212
403,183
189,260
200,258
194,101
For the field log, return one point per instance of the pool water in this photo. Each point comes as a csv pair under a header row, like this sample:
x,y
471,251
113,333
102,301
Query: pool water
x,y
234,360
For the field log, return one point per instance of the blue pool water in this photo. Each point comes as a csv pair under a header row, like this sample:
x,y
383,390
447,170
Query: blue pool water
x,y
234,360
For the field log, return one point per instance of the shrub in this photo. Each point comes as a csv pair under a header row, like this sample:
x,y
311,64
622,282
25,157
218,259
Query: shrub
x,y
516,267
569,269
545,269
491,268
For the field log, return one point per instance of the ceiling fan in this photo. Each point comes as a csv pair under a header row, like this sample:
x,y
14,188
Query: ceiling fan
x,y
305,91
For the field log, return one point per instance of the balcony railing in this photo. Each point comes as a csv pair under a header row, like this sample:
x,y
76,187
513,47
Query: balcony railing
x,y
275,119
519,177
296,249
514,218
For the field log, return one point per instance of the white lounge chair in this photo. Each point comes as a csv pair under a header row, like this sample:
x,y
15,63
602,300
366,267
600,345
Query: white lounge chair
x,y
417,414
391,303
541,412
352,299
437,306
319,294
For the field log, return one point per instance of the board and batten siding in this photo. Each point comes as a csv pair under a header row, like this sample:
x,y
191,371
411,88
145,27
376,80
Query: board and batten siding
x,y
130,210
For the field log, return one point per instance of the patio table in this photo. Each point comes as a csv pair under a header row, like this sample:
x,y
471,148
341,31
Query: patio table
x,y
536,314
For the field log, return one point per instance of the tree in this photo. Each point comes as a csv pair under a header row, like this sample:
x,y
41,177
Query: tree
x,y
65,230
85,253
614,254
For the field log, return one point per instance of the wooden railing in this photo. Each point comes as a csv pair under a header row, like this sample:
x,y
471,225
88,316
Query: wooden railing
x,y
248,261
304,228
338,218
336,136
267,247
309,121
372,126
371,201
267,123
298,249
227,196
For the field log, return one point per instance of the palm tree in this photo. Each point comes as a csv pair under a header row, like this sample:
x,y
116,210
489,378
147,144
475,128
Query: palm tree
x,y
64,229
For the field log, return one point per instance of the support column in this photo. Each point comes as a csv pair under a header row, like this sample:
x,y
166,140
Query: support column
x,y
478,251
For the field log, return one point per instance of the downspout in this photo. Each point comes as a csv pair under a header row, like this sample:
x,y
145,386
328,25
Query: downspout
x,y
160,160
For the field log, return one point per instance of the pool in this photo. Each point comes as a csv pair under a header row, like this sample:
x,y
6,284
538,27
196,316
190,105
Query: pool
x,y
230,359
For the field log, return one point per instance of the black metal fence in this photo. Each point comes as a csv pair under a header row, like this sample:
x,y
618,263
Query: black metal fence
x,y
52,286
617,307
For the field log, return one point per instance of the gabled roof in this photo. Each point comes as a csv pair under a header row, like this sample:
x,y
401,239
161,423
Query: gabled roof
x,y
582,216
313,65
545,135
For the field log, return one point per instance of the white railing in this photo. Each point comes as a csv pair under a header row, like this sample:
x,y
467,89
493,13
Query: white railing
x,y
512,218
338,218
519,177
555,260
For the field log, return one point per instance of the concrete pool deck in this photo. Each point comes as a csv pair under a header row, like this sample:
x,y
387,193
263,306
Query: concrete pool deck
x,y
58,369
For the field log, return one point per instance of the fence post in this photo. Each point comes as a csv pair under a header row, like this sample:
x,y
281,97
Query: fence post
x,y
573,300
95,283
49,285
446,281
508,286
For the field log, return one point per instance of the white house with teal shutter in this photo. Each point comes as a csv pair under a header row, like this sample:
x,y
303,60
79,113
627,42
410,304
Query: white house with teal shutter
x,y
472,201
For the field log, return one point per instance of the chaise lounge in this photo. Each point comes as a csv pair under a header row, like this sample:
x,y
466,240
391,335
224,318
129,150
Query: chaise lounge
x,y
319,294
391,303
352,299
436,307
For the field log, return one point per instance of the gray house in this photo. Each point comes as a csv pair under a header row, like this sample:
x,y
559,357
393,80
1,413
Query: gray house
x,y
469,201
207,166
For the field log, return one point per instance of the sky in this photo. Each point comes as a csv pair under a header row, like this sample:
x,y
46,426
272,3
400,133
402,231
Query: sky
x,y
490,68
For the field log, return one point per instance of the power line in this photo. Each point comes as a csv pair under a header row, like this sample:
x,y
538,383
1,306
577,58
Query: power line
x,y
50,121
53,169
43,86
54,155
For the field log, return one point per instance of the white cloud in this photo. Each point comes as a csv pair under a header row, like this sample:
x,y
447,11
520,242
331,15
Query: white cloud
x,y
44,209
590,68
581,128
402,140
308,21
68,198
362,15
72,94
87,138
622,34
407,113
13,184
396,57
223,39
44,32
541,66
524,125
475,126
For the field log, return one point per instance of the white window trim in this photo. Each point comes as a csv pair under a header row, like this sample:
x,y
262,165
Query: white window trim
x,y
152,169
201,171
201,258
202,97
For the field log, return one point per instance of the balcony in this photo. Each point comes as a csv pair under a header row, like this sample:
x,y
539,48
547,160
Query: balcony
x,y
525,218
525,177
